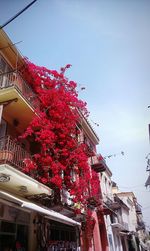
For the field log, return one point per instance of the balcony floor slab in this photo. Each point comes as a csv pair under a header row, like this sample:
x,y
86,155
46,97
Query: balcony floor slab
x,y
20,183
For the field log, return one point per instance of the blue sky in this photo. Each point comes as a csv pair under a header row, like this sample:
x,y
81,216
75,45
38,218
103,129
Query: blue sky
x,y
108,45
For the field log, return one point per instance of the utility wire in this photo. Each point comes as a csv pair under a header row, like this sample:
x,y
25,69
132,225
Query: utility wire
x,y
18,14
113,155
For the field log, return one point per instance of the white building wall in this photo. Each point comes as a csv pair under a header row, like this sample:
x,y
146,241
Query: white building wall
x,y
117,241
106,186
128,200
112,234
125,218
109,233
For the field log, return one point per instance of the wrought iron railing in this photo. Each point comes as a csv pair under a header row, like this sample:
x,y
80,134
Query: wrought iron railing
x,y
138,208
98,163
12,153
14,79
108,200
140,224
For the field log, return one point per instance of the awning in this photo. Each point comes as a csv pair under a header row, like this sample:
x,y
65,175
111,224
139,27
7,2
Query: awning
x,y
48,213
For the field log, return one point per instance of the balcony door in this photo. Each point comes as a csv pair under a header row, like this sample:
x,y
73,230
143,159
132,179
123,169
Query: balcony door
x,y
4,68
3,128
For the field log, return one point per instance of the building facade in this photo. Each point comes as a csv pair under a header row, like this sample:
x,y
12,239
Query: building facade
x,y
116,214
136,226
25,224
123,216
31,218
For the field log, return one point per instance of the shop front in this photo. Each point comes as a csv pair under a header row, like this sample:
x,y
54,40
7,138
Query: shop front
x,y
14,226
53,235
26,226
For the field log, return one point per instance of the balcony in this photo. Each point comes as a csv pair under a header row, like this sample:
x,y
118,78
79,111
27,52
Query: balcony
x,y
108,206
18,99
12,153
123,226
91,149
12,157
98,163
108,199
138,209
120,227
140,225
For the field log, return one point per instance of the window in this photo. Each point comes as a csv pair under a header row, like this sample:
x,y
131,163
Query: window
x,y
4,67
8,227
3,127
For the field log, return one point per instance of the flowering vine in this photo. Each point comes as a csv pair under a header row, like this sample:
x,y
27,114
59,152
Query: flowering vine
x,y
60,157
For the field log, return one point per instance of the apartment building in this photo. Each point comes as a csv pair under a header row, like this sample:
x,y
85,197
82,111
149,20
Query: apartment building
x,y
23,222
99,165
123,216
99,240
30,216
136,223
116,214
136,227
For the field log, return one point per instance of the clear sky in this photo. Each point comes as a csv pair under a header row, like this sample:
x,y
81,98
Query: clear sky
x,y
108,45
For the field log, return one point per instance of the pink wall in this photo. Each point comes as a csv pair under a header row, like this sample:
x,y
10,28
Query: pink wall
x,y
96,235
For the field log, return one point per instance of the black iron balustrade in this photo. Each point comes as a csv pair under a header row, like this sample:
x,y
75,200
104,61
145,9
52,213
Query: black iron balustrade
x,y
12,153
14,79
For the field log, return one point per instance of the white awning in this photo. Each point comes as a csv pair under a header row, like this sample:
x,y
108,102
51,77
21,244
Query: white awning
x,y
48,213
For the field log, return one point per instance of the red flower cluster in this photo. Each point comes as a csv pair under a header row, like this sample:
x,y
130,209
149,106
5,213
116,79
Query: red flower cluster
x,y
89,227
60,157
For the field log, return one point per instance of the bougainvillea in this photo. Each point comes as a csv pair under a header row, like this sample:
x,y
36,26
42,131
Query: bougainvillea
x,y
89,227
60,157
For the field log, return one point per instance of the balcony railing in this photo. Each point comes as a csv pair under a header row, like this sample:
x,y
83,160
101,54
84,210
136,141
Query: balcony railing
x,y
140,225
121,226
14,79
98,163
108,201
12,153
138,209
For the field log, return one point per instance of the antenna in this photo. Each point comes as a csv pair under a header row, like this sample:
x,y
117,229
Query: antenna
x,y
10,45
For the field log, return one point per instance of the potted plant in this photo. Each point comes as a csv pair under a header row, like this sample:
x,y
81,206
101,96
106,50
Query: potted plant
x,y
6,149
